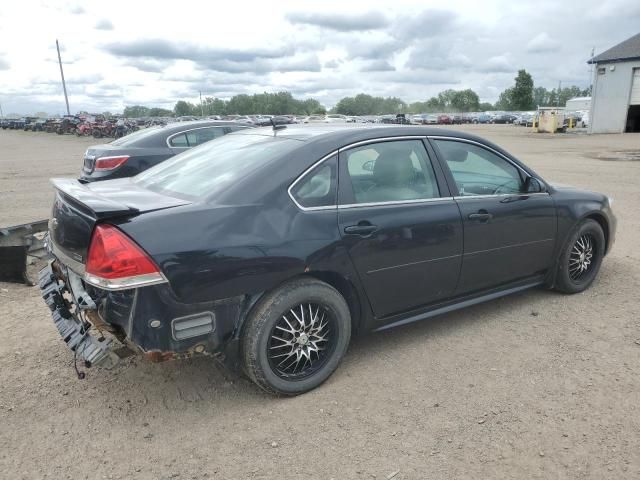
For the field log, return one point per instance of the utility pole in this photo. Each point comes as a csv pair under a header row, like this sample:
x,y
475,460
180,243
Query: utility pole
x,y
64,86
201,106
558,96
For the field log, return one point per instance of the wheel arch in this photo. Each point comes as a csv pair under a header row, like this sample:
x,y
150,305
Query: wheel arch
x,y
345,288
342,285
604,224
594,215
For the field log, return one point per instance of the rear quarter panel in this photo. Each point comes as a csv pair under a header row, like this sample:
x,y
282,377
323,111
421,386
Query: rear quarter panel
x,y
212,253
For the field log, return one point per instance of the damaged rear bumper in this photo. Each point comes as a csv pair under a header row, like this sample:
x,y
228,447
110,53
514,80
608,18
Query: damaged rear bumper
x,y
76,333
101,326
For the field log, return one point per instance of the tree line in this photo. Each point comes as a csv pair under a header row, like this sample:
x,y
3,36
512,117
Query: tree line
x,y
280,103
525,96
522,96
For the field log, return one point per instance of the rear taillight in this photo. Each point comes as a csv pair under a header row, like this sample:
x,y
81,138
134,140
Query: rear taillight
x,y
115,262
110,163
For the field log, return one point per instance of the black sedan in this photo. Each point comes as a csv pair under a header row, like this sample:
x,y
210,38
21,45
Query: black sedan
x,y
130,155
269,249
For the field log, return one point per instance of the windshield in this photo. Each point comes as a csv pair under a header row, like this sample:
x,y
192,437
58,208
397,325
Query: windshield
x,y
216,166
127,140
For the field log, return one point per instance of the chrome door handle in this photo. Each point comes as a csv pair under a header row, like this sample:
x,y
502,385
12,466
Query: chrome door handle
x,y
481,217
360,229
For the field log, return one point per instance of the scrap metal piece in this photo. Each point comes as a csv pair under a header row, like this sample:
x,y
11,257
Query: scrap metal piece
x,y
20,244
74,332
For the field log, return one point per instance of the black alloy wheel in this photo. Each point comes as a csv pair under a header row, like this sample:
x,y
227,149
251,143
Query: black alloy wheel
x,y
581,258
295,337
301,341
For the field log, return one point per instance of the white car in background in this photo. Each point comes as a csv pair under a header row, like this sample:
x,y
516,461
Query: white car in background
x,y
336,118
584,121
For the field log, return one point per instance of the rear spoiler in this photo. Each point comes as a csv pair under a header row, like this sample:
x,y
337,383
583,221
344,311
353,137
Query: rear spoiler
x,y
98,205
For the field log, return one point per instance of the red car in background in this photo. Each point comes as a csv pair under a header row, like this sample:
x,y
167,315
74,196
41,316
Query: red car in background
x,y
444,120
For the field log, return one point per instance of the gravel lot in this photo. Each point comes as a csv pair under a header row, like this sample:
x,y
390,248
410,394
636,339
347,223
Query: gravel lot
x,y
537,385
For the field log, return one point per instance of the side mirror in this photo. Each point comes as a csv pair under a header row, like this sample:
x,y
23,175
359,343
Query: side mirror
x,y
533,185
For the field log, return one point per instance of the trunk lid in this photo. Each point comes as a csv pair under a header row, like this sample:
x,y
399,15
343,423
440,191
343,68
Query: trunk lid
x,y
78,207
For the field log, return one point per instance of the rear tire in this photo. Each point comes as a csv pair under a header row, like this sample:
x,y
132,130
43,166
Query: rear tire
x,y
581,258
295,337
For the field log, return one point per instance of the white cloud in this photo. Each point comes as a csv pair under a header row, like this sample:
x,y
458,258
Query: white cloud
x,y
325,49
542,43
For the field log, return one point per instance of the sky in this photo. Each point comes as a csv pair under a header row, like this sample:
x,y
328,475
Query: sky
x,y
117,53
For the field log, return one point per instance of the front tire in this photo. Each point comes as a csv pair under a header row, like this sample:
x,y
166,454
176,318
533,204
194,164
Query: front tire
x,y
580,261
296,336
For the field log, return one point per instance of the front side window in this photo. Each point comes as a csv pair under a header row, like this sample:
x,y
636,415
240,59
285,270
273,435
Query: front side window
x,y
478,171
391,172
318,187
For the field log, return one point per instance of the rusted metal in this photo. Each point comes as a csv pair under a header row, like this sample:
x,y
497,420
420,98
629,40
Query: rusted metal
x,y
157,356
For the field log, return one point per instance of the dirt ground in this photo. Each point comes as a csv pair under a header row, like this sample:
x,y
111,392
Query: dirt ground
x,y
537,385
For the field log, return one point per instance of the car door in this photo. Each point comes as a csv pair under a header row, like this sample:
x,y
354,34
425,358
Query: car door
x,y
400,225
509,220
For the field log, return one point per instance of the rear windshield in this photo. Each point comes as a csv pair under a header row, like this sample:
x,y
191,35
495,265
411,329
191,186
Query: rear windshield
x,y
135,137
214,167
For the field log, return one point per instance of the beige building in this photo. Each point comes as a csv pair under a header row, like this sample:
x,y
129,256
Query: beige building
x,y
615,100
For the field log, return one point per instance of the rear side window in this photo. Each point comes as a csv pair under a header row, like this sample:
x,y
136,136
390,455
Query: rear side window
x,y
202,135
215,168
179,140
318,188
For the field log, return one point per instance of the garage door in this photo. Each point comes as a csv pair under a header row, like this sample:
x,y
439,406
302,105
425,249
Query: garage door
x,y
635,88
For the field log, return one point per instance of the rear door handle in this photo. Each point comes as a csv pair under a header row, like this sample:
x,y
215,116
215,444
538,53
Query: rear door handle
x,y
360,229
481,216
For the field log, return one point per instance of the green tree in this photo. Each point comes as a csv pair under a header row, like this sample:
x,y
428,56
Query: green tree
x,y
135,111
311,106
465,101
505,100
183,108
485,107
159,112
540,97
522,93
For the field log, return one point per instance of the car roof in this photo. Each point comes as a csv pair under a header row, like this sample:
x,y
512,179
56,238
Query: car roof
x,y
158,134
177,127
343,134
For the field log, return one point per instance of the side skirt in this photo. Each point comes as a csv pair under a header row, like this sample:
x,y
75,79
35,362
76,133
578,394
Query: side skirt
x,y
462,304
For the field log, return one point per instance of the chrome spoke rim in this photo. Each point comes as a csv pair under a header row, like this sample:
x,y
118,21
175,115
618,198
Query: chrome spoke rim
x,y
581,257
301,341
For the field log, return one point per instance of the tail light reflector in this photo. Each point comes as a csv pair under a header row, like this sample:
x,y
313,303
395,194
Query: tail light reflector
x,y
110,163
115,262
